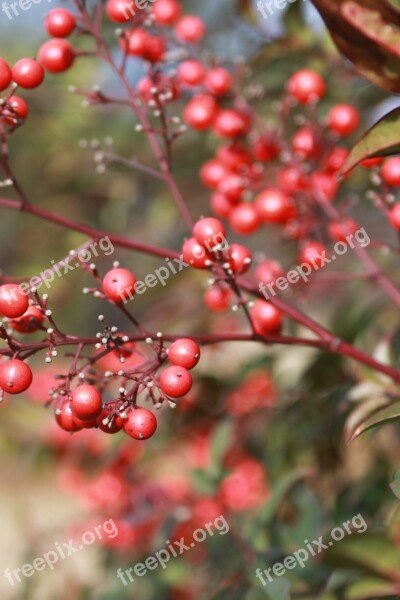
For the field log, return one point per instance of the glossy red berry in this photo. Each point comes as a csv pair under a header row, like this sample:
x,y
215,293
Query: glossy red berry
x,y
230,123
217,298
196,255
200,112
391,171
190,29
15,376
5,75
275,206
268,272
292,179
341,230
394,216
220,205
305,144
191,72
307,86
343,119
155,49
244,219
56,55
86,402
136,42
371,163
28,73
234,156
266,148
120,11
119,285
267,318
30,321
240,258
17,109
209,232
335,160
141,424
219,81
13,301
166,12
184,353
66,419
313,254
233,187
117,422
60,23
175,381
213,172
324,185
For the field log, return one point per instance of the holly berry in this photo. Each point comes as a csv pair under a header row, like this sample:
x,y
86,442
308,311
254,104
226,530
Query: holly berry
x,y
325,185
244,219
292,179
340,230
274,206
17,109
233,187
184,353
265,148
155,49
119,284
5,75
166,12
394,216
190,29
60,23
196,255
313,254
30,321
267,318
220,205
86,402
230,123
200,112
28,73
233,156
307,86
217,298
240,258
141,424
343,119
213,172
56,55
66,419
391,171
175,381
268,272
116,424
335,160
120,11
208,232
305,144
219,81
136,42
13,301
191,72
15,376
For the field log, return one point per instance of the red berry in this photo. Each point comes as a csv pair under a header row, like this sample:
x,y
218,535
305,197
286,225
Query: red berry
x,y
391,171
120,11
305,144
219,81
119,285
371,163
196,255
275,206
265,148
155,49
292,179
66,419
340,230
166,12
313,254
267,318
217,298
191,72
57,55
86,403
28,73
307,86
268,272
29,322
136,42
190,29
240,258
221,205
141,424
335,160
165,87
343,119
15,376
233,156
5,75
60,23
244,219
233,187
209,232
200,112
116,424
184,353
324,185
13,302
230,123
394,216
175,381
213,172
17,109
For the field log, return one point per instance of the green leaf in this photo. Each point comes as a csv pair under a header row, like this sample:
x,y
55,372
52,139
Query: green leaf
x,y
383,139
371,589
385,416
